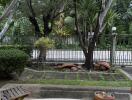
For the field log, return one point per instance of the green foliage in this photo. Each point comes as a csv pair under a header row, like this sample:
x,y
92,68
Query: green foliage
x,y
12,60
64,26
88,11
44,11
4,2
130,28
110,18
69,21
122,7
26,48
44,42
22,26
21,32
64,31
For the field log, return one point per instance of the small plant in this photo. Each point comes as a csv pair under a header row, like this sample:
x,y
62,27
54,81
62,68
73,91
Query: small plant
x,y
43,44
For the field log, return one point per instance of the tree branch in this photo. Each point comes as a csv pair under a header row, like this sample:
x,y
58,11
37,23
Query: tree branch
x,y
104,12
8,10
102,28
59,13
78,29
32,19
29,4
7,25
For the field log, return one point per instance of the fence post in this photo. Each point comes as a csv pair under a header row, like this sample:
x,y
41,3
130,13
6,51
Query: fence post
x,y
113,46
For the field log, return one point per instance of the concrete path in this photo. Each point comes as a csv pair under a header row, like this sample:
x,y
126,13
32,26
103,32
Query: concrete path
x,y
65,91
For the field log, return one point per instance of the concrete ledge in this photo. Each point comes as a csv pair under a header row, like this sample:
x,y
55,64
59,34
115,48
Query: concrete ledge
x,y
76,92
72,88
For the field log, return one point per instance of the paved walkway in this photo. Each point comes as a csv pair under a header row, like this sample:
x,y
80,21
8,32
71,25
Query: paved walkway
x,y
65,91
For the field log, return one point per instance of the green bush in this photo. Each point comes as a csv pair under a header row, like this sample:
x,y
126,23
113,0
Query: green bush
x,y
26,48
44,42
12,60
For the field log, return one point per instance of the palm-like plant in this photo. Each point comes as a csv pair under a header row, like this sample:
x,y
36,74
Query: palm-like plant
x,y
90,20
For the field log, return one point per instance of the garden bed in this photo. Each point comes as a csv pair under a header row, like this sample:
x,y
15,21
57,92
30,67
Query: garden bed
x,y
88,76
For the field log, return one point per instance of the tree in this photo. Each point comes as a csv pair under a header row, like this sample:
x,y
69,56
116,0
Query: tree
x,y
46,11
90,20
42,15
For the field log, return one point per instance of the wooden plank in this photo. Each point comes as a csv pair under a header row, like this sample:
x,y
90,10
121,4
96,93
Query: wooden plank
x,y
6,95
3,97
17,91
22,90
14,93
10,92
22,93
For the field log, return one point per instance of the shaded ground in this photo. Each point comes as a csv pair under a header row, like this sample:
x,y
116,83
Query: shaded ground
x,y
128,70
3,82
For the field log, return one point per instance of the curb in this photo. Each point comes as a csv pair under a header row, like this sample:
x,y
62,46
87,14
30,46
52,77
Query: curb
x,y
72,88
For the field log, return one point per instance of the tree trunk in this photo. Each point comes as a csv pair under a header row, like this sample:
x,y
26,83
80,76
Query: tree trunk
x,y
91,46
47,29
86,64
36,26
89,57
42,55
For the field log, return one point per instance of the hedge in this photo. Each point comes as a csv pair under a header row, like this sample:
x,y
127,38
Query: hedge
x,y
26,48
12,60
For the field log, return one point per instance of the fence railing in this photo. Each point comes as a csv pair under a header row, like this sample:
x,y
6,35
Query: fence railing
x,y
67,49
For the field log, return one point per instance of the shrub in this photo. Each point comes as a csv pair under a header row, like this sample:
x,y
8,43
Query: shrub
x,y
44,42
12,60
26,48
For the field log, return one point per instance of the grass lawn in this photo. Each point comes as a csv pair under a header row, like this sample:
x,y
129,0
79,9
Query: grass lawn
x,y
80,83
72,82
